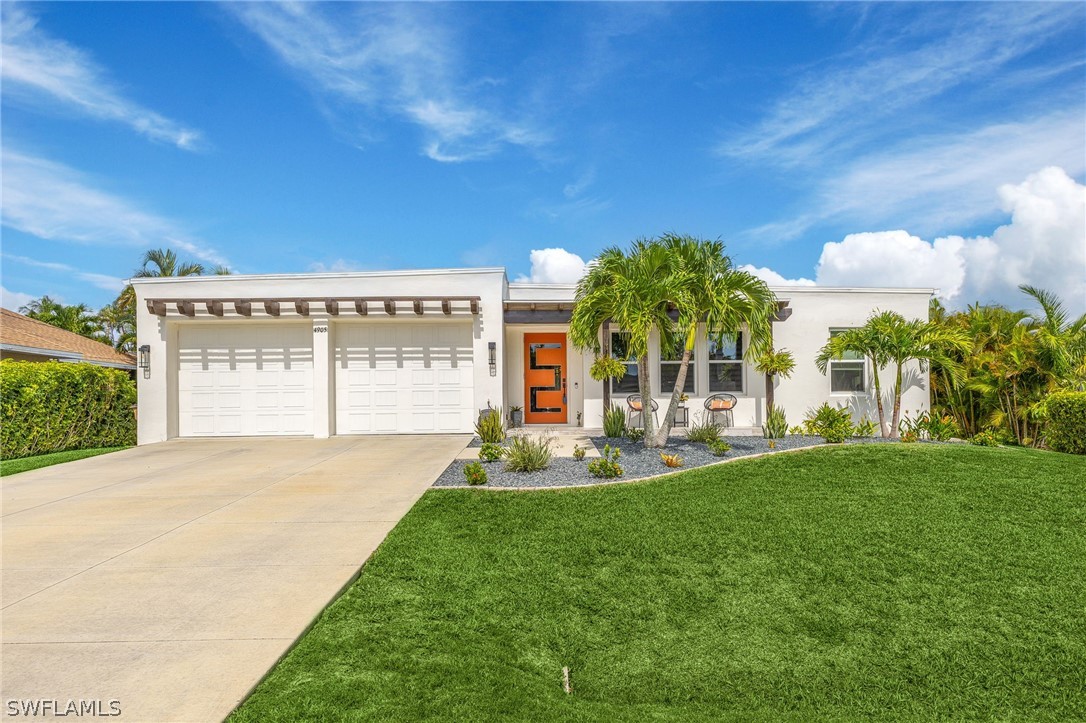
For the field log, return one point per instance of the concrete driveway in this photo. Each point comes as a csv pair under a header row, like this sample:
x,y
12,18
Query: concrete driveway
x,y
171,577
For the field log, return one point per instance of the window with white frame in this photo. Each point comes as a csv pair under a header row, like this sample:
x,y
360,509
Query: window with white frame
x,y
620,349
848,374
726,362
669,368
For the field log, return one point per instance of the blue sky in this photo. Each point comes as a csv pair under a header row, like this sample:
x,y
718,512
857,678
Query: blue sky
x,y
844,144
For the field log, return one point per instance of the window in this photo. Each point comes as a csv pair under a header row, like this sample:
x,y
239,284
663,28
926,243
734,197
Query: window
x,y
620,349
726,362
848,375
669,368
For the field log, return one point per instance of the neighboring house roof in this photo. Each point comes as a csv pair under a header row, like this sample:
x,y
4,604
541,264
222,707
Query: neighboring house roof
x,y
24,335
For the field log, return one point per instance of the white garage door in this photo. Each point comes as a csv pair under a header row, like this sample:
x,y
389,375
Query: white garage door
x,y
409,378
249,379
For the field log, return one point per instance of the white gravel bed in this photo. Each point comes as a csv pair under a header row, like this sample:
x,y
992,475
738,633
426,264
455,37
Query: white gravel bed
x,y
636,461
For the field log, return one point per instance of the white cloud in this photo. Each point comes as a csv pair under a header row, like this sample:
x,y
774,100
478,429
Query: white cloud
x,y
337,266
14,300
554,266
102,281
52,201
44,71
772,278
1043,245
931,184
393,59
871,90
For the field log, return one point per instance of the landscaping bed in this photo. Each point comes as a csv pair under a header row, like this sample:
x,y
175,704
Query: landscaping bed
x,y
636,460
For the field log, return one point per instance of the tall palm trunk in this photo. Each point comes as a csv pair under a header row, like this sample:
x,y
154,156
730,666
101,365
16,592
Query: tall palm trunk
x,y
673,405
768,395
645,389
606,352
878,400
895,432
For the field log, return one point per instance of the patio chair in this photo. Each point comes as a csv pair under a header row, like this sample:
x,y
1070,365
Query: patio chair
x,y
634,407
721,404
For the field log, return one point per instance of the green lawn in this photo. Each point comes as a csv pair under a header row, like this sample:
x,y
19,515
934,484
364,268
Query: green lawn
x,y
25,464
894,582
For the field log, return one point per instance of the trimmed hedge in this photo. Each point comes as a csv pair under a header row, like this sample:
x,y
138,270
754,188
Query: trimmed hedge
x,y
1066,427
54,407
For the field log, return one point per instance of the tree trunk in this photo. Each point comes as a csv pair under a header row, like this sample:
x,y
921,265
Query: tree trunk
x,y
878,400
768,395
645,389
673,405
606,351
895,433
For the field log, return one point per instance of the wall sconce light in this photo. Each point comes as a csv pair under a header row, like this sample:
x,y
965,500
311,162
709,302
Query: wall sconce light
x,y
493,358
145,360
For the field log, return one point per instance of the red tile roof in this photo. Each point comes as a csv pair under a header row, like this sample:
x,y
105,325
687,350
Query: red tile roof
x,y
19,330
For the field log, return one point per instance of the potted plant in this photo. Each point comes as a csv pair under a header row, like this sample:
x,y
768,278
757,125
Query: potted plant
x,y
516,416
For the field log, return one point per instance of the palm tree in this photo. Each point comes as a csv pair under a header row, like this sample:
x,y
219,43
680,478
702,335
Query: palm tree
x,y
120,324
902,341
159,263
76,318
774,363
862,341
717,294
633,291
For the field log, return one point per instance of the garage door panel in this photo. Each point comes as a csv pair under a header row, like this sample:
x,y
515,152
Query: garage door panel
x,y
237,380
401,378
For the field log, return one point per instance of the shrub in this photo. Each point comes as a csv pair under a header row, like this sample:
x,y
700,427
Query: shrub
x,y
705,432
986,438
475,473
1065,430
831,423
55,407
671,460
614,422
491,428
719,447
605,368
866,428
776,424
939,427
490,452
635,434
527,453
606,465
797,430
578,452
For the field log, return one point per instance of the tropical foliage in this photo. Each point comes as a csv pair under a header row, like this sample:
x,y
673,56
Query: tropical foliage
x,y
1013,362
114,323
1066,428
774,363
887,339
638,290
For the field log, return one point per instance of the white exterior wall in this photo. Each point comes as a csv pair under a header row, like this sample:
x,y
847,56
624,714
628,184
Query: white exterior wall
x,y
814,312
158,418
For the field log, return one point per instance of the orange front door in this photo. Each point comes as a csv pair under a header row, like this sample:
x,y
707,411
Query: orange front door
x,y
545,379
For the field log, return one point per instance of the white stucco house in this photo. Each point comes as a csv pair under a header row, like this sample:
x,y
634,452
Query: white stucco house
x,y
416,352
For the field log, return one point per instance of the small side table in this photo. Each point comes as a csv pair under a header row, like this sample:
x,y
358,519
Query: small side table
x,y
682,416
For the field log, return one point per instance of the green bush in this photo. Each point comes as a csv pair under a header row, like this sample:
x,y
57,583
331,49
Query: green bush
x,y
475,473
491,428
578,452
719,447
490,452
705,432
866,428
635,434
55,407
776,424
526,453
1065,430
606,465
614,422
831,423
986,438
